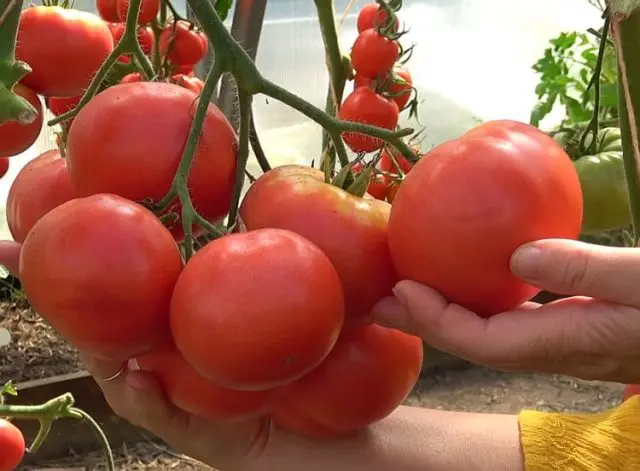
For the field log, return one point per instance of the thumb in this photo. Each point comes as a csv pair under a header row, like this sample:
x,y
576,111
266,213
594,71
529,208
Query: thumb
x,y
576,268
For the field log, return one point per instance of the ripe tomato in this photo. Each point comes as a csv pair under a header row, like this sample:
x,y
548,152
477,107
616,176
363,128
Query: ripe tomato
x,y
604,185
190,83
4,166
129,141
41,185
378,187
61,105
372,16
101,271
149,10
365,106
182,44
108,11
132,78
352,231
12,445
144,35
65,48
15,138
195,394
630,391
387,164
392,191
187,70
267,294
373,55
397,86
469,203
368,374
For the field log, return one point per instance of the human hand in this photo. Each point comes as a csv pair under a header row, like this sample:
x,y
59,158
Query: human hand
x,y
137,397
593,335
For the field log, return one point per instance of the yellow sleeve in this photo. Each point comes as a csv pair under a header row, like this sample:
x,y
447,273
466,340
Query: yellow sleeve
x,y
609,441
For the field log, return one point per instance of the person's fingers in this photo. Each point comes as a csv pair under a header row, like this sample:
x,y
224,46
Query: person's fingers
x,y
10,256
576,268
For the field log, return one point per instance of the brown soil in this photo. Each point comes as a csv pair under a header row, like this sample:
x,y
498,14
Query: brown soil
x,y
37,352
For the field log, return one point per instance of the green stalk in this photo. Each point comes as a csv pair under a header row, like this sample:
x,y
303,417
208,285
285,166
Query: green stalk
x,y
12,107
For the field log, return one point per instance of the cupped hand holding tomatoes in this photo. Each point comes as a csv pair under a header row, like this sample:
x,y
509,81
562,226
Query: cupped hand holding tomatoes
x,y
368,374
256,310
12,446
64,47
101,271
42,184
352,231
129,141
470,203
15,138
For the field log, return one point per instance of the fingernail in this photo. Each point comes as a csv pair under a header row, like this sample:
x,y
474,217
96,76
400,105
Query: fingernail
x,y
525,262
137,382
399,294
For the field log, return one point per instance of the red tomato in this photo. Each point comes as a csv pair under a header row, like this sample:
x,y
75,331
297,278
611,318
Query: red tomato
x,y
182,45
361,81
41,185
392,191
373,55
132,78
365,106
15,138
65,48
12,445
372,16
400,86
4,166
107,9
267,294
352,231
378,187
61,105
368,374
386,163
129,141
187,70
149,10
101,271
190,83
470,203
193,393
630,391
145,39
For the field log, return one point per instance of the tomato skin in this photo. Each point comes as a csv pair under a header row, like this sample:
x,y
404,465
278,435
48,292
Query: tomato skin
x,y
15,138
4,166
132,78
129,141
193,393
369,373
65,48
400,87
61,105
386,162
144,35
277,297
41,185
101,271
190,83
149,10
630,391
365,106
12,445
182,45
378,187
352,231
480,197
372,16
373,55
108,11
392,191
604,185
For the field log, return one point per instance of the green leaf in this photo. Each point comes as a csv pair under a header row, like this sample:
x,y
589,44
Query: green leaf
x,y
8,389
542,109
223,7
609,94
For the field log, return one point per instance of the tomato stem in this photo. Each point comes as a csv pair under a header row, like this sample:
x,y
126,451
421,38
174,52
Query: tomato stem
x,y
243,155
625,29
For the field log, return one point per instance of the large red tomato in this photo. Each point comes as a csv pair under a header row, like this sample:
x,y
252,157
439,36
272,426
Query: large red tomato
x,y
365,106
630,391
195,394
101,271
352,231
256,310
15,138
470,203
369,373
129,141
183,45
12,446
65,48
41,185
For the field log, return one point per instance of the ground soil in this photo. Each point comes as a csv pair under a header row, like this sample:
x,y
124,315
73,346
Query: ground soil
x,y
37,352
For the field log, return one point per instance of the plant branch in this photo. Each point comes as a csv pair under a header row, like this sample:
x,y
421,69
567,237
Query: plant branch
x,y
256,145
243,155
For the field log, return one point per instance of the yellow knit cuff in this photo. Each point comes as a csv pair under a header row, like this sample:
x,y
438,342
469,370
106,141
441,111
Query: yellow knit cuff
x,y
609,441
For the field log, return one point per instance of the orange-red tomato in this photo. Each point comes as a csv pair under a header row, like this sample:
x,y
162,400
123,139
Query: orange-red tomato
x,y
145,39
373,55
372,16
149,10
195,394
470,203
41,185
397,86
182,44
369,373
129,141
392,191
12,446
108,11
4,166
365,106
378,187
630,391
101,271
387,164
61,105
132,78
257,310
352,231
190,83
15,138
65,48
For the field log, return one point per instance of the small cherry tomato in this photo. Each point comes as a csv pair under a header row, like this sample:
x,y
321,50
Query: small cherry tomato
x,y
108,11
149,10
12,446
61,105
372,16
15,138
378,187
374,55
182,44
